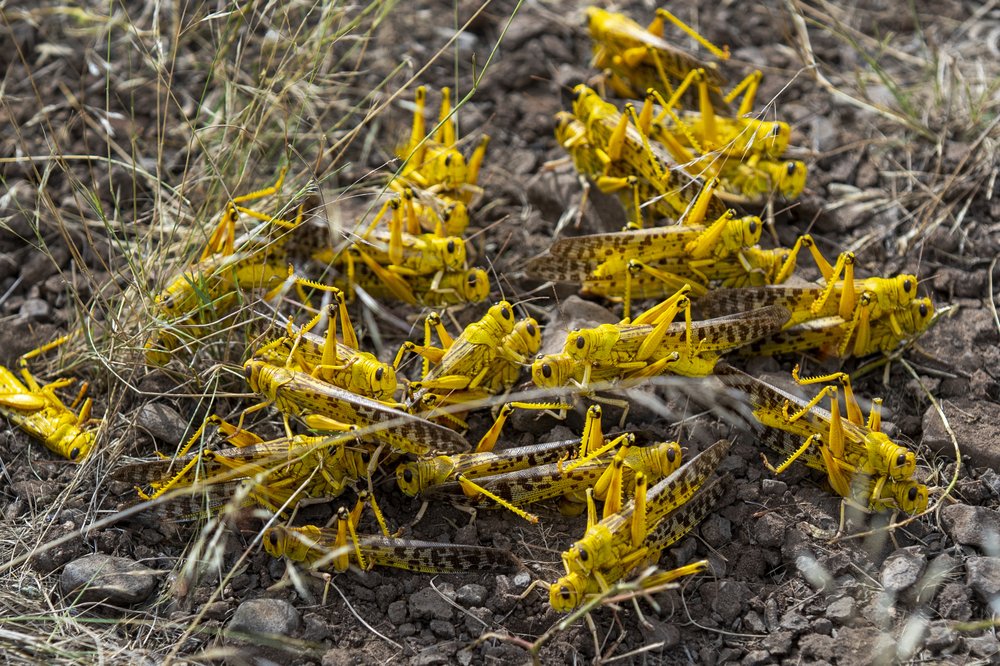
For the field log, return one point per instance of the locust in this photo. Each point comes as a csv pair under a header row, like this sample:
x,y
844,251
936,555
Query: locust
x,y
339,363
281,471
653,345
850,447
743,153
332,548
433,162
636,58
210,289
649,262
906,495
451,288
888,298
606,475
858,337
618,142
38,411
416,477
629,535
323,406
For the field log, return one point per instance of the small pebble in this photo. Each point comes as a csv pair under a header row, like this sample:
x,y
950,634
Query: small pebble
x,y
902,569
274,617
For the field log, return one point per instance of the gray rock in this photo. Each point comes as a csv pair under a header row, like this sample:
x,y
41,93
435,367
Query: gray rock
x,y
757,658
822,625
442,653
522,579
817,646
427,604
794,621
397,612
162,422
984,646
973,526
939,635
779,642
954,603
984,579
902,569
842,611
773,487
470,595
717,531
754,622
35,309
769,530
272,617
442,629
117,581
725,598
975,425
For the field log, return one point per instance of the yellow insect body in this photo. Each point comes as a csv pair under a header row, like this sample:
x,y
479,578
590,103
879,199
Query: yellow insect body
x,y
852,451
39,412
332,549
324,407
639,530
637,58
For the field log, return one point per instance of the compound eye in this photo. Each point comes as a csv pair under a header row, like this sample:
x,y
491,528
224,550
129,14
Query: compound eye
x,y
473,280
547,371
531,329
776,130
408,475
580,342
753,227
791,168
923,309
365,456
273,538
564,593
451,246
378,374
583,555
911,494
671,455
447,160
74,453
901,460
907,285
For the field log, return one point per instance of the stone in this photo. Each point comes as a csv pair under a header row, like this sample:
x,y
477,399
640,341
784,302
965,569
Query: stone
x,y
725,598
427,604
757,658
939,635
471,595
769,530
442,629
162,422
975,526
716,531
117,581
983,576
902,569
337,657
954,602
773,487
975,425
842,611
269,617
397,612
816,645
779,642
35,309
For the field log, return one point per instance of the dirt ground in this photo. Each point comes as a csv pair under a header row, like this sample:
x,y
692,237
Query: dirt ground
x,y
897,121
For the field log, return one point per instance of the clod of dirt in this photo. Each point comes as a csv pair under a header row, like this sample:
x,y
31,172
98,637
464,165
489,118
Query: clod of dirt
x,y
116,581
842,611
975,526
429,604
